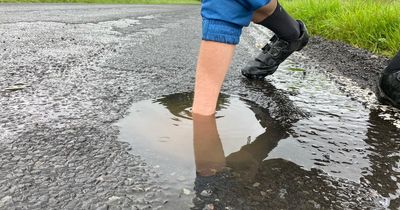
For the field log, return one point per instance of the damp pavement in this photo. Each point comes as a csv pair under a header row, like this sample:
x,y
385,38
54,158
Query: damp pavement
x,y
95,114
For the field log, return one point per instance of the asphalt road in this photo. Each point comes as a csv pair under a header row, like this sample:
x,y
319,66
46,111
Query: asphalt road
x,y
68,73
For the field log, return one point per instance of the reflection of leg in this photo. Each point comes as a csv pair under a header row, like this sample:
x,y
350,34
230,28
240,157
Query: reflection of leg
x,y
213,63
208,151
217,189
248,159
264,144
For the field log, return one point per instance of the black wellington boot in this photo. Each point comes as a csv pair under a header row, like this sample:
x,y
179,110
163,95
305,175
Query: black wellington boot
x,y
273,54
389,83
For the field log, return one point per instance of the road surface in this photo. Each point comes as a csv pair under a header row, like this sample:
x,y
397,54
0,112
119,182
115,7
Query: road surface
x,y
70,73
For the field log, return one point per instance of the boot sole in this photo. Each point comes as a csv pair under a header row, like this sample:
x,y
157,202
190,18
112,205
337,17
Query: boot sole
x,y
255,76
258,76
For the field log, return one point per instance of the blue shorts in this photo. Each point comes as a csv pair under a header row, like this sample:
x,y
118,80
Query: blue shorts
x,y
223,20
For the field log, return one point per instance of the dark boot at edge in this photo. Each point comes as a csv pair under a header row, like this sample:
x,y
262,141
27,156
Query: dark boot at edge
x,y
273,54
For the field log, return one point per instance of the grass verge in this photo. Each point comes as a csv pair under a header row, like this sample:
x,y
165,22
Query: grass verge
x,y
370,24
106,1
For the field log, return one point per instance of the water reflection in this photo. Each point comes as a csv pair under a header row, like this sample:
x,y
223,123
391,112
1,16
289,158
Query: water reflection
x,y
225,161
384,176
208,151
224,181
246,179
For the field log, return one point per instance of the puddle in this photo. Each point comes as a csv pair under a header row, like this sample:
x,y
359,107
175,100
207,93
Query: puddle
x,y
338,154
337,158
161,131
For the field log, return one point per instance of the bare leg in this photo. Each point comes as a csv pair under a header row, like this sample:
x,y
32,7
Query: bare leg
x,y
212,65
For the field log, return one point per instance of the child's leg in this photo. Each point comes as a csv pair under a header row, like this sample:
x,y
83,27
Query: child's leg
x,y
290,36
277,20
212,65
223,21
264,12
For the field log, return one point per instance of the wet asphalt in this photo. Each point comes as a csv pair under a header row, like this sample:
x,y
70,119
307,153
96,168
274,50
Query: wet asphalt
x,y
69,73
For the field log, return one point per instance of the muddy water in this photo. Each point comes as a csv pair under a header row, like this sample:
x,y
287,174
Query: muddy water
x,y
342,155
162,130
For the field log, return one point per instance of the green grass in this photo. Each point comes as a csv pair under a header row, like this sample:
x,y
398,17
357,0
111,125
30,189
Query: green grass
x,y
106,1
370,24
